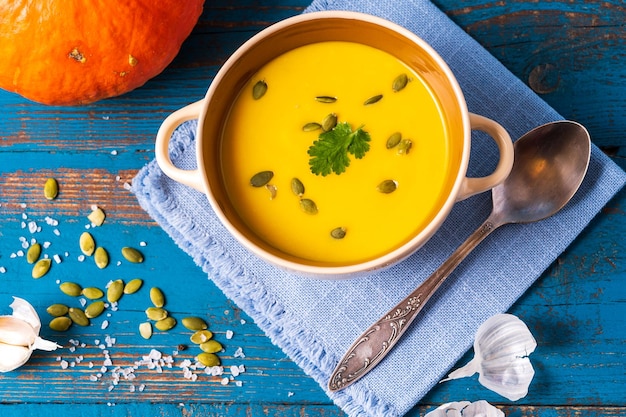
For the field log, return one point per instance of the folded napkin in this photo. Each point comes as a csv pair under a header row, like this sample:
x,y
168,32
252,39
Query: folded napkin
x,y
315,321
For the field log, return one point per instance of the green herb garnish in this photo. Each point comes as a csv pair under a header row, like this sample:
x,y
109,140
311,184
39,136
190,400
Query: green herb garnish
x,y
330,152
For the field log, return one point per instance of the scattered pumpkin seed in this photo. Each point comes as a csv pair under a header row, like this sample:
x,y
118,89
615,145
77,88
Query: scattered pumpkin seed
x,y
94,309
297,187
201,336
101,257
71,288
261,178
133,286
211,346
78,316
338,233
41,268
57,310
329,122
60,324
272,189
373,99
132,61
156,313
93,293
259,89
308,206
145,330
87,244
33,253
96,217
326,99
51,189
132,255
400,82
404,147
115,291
394,140
194,323
311,127
157,297
387,186
208,359
165,324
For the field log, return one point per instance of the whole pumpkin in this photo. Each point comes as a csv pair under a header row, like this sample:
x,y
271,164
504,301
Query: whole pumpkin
x,y
70,52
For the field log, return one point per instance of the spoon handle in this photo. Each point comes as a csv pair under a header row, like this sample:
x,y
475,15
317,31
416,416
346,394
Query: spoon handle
x,y
374,344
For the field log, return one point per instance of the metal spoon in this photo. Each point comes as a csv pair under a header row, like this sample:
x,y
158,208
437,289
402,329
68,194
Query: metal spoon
x,y
550,164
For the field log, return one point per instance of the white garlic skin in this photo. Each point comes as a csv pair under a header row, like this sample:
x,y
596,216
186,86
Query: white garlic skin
x,y
19,336
466,409
501,348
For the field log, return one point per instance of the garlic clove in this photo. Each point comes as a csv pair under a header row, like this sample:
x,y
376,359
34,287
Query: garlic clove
x,y
23,310
12,356
501,348
14,331
466,409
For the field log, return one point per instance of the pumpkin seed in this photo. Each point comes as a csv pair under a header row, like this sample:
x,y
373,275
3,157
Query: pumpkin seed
x,y
41,268
33,253
311,127
71,288
297,187
308,206
400,82
165,324
115,291
211,346
57,310
60,324
156,313
329,122
51,189
96,217
78,316
194,323
201,336
132,61
259,89
208,359
94,309
101,257
133,286
261,178
338,233
87,244
145,330
272,189
132,255
373,99
93,293
404,147
157,297
387,186
394,140
326,99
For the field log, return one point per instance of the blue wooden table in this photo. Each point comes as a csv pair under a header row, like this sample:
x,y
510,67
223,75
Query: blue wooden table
x,y
572,53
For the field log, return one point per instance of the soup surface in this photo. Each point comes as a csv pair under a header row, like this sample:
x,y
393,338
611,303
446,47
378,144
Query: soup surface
x,y
384,196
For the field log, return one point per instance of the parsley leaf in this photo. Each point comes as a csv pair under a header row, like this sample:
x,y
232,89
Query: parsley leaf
x,y
330,152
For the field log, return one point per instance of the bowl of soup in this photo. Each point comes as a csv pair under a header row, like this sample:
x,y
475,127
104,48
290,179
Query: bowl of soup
x,y
333,144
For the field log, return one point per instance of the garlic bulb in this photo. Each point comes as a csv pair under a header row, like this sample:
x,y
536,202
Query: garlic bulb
x,y
466,409
501,348
19,336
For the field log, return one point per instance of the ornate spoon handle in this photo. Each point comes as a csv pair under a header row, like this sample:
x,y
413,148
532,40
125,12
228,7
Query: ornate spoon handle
x,y
374,344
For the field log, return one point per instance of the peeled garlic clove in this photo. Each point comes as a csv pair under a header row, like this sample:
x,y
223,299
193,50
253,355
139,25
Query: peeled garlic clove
x,y
466,409
12,356
501,348
16,332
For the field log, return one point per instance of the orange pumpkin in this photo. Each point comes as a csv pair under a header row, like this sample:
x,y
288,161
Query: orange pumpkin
x,y
69,52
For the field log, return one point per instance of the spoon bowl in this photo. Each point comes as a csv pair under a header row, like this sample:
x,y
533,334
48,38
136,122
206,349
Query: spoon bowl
x,y
550,163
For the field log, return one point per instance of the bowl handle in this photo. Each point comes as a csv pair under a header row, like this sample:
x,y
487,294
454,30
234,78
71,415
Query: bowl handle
x,y
192,177
472,186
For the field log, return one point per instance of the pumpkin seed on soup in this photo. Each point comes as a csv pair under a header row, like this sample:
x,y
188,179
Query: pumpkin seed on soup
x,y
51,189
404,146
387,186
373,99
338,233
329,122
394,140
311,126
261,178
399,82
297,187
308,206
259,89
272,189
326,99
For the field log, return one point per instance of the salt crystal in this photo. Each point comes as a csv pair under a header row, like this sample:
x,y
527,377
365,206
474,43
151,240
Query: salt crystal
x,y
93,378
107,362
20,253
242,369
24,245
111,388
113,152
82,302
239,383
23,205
290,394
2,270
32,227
104,325
64,364
239,353
46,245
142,243
127,186
13,255
118,178
56,258
234,370
56,232
224,381
81,258
72,349
90,365
142,387
23,225
24,216
229,334
243,321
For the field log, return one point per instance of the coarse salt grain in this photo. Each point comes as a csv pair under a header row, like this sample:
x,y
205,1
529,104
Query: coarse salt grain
x,y
104,324
2,270
56,232
229,334
224,381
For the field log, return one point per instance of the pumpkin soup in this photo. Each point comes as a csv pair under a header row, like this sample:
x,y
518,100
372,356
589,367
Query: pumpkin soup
x,y
336,153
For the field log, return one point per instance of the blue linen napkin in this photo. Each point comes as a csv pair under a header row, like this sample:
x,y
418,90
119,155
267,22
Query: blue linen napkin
x,y
314,322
